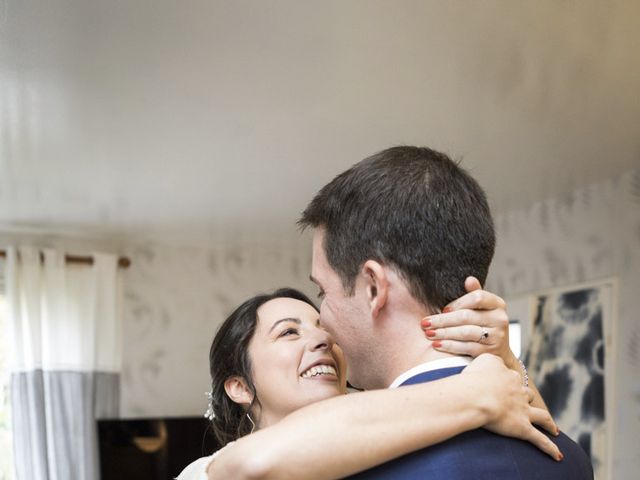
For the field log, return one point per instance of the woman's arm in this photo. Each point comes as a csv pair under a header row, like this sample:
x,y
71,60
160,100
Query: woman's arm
x,y
459,329
350,433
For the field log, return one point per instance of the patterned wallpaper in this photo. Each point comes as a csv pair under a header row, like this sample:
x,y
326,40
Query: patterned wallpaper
x,y
175,298
589,234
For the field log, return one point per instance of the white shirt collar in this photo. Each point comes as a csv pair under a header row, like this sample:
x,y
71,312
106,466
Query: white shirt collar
x,y
448,362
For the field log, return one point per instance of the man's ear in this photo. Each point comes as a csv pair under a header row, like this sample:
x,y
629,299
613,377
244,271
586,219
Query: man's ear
x,y
376,284
238,391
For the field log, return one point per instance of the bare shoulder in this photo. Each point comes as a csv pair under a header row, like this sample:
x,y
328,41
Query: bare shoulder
x,y
196,470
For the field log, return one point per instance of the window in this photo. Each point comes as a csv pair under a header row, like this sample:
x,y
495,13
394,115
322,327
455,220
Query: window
x,y
6,450
515,337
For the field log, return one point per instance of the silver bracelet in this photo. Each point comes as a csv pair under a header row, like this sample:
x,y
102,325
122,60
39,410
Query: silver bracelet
x,y
525,374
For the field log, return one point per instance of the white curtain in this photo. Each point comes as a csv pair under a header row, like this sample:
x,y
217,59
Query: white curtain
x,y
66,335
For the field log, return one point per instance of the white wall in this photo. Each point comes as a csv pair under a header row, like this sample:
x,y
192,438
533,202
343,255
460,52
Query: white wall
x,y
175,298
589,234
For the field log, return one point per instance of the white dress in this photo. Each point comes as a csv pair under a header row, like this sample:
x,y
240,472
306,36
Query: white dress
x,y
197,470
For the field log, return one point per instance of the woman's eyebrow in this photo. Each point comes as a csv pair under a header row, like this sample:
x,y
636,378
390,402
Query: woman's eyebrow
x,y
294,320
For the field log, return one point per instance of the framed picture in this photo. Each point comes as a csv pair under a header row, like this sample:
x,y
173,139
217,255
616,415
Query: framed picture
x,y
567,346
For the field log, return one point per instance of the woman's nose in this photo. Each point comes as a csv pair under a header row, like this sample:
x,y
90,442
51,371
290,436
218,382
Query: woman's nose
x,y
321,340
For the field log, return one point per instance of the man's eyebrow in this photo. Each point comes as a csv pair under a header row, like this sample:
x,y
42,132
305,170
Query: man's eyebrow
x,y
294,320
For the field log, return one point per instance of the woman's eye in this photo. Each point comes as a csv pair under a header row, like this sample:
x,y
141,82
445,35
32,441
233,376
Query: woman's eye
x,y
289,331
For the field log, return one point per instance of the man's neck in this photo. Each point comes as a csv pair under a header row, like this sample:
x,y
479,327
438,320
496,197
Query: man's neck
x,y
401,344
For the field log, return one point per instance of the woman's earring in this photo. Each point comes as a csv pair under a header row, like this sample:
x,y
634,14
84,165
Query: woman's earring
x,y
253,425
209,413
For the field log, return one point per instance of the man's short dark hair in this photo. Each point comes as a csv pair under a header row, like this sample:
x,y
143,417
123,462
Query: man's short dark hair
x,y
411,208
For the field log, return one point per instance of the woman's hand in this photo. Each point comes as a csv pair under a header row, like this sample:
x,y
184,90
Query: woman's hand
x,y
473,324
506,402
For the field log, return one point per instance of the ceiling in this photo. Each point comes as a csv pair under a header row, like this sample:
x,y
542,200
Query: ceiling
x,y
204,120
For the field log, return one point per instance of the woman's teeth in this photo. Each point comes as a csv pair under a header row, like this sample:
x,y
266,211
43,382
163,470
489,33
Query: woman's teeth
x,y
319,370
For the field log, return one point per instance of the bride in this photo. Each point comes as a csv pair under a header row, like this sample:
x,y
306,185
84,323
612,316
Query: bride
x,y
279,409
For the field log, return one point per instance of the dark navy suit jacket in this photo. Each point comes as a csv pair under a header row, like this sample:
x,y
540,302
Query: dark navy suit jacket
x,y
482,455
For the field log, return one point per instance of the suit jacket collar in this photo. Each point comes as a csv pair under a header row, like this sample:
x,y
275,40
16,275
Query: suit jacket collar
x,y
449,362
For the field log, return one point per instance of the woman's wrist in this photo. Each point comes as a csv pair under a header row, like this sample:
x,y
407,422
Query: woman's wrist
x,y
483,404
511,361
523,373
514,363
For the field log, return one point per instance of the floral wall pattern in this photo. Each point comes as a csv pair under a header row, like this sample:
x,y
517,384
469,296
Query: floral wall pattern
x,y
175,298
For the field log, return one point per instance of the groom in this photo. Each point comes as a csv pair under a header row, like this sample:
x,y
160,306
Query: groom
x,y
395,236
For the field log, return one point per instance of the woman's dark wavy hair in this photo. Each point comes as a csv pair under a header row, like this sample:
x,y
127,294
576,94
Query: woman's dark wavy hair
x,y
229,357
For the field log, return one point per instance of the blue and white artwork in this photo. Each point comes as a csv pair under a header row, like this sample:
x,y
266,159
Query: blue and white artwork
x,y
567,358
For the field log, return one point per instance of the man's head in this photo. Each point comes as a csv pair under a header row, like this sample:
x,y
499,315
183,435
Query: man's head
x,y
411,210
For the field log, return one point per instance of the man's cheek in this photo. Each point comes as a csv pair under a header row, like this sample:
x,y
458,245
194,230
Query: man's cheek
x,y
328,321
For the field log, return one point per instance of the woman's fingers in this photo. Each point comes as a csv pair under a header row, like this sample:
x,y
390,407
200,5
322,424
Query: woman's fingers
x,y
467,340
452,319
471,284
544,443
478,318
489,318
542,418
478,299
465,333
472,349
530,394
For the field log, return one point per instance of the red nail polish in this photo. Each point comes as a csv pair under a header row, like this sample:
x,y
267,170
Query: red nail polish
x,y
436,344
447,310
425,323
431,333
561,456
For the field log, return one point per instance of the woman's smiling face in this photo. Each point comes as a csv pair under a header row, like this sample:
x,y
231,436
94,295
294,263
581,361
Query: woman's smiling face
x,y
294,361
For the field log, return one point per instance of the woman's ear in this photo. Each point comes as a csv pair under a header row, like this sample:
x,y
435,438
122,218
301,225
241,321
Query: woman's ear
x,y
238,391
377,286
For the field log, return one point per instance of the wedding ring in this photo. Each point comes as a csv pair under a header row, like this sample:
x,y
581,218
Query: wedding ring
x,y
484,335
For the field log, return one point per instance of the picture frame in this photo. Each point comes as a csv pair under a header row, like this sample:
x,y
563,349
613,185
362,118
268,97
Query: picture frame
x,y
567,336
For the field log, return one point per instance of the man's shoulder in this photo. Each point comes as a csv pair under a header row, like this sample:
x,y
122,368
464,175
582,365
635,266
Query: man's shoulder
x,y
483,455
574,454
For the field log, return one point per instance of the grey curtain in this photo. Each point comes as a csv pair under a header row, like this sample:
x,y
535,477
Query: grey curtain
x,y
54,422
65,327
